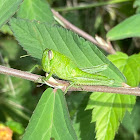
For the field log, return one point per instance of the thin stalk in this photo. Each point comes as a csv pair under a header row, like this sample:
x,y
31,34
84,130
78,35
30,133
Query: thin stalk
x,y
37,78
86,6
107,46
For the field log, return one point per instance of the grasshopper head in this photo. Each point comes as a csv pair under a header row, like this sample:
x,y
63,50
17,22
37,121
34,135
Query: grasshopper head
x,y
46,59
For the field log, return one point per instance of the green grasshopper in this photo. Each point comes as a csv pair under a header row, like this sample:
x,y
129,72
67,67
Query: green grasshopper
x,y
63,67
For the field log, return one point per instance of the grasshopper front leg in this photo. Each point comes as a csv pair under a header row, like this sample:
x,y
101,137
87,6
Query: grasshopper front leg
x,y
34,67
48,76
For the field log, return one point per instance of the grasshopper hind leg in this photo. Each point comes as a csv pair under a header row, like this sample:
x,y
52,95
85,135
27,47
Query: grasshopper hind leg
x,y
72,84
91,81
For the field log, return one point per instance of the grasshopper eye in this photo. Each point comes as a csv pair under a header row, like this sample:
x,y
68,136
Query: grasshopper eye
x,y
50,55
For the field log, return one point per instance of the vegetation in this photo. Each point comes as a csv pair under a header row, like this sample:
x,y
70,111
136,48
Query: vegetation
x,y
90,34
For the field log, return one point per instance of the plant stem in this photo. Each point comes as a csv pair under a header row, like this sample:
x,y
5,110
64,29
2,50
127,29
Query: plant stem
x,y
107,46
20,74
86,6
37,78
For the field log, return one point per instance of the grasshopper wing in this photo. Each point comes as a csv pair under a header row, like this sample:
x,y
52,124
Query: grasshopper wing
x,y
95,69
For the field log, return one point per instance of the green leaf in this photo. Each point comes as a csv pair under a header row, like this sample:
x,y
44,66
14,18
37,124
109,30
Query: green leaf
x,y
108,108
127,28
81,121
74,100
108,111
15,126
137,5
36,37
6,30
36,10
129,65
50,119
7,9
131,121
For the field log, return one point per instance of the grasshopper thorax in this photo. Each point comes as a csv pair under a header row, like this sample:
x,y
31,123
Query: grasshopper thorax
x,y
46,58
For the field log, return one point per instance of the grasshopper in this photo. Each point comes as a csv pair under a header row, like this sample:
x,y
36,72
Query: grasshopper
x,y
63,67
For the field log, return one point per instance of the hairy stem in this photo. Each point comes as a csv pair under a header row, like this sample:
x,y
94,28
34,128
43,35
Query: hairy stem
x,y
107,46
64,84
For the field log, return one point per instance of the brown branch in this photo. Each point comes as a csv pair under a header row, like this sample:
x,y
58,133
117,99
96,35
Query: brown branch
x,y
64,84
106,46
26,75
20,74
